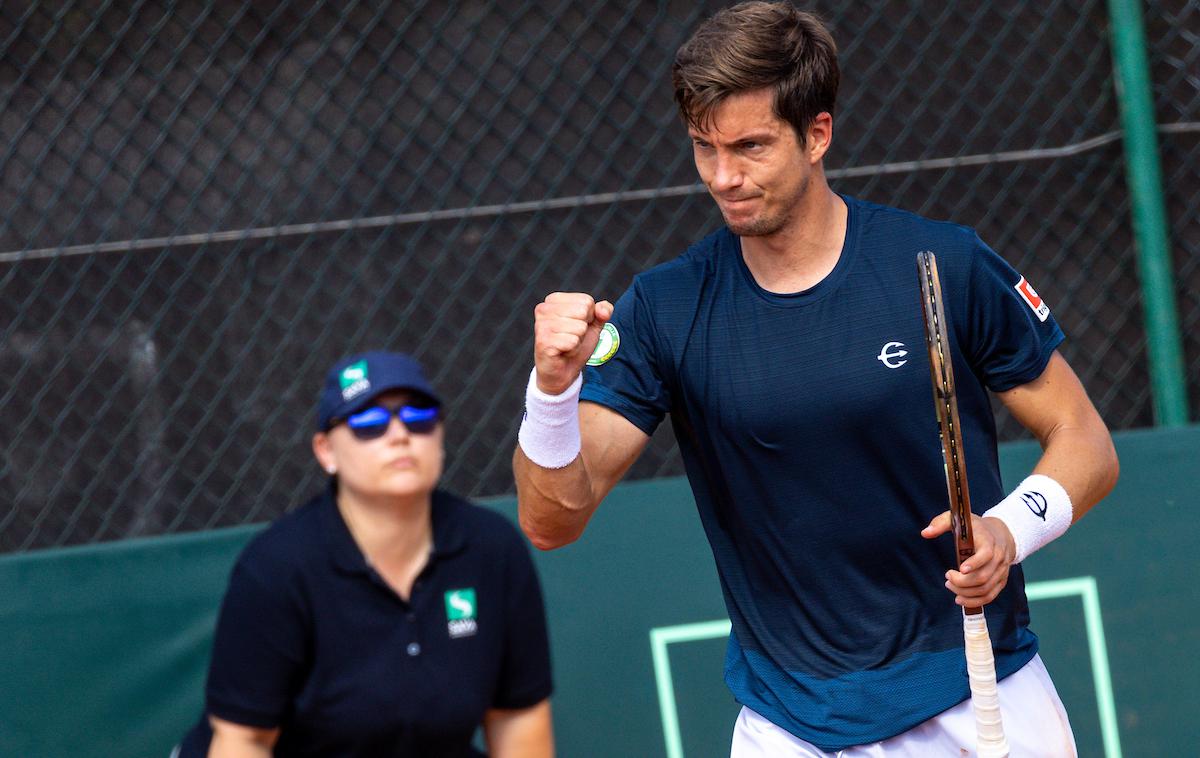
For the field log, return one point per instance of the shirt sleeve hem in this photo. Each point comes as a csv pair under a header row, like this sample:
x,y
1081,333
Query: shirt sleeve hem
x,y
593,393
526,699
1032,370
244,716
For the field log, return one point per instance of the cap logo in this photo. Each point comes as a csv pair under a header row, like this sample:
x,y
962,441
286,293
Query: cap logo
x,y
606,347
353,380
1031,298
460,612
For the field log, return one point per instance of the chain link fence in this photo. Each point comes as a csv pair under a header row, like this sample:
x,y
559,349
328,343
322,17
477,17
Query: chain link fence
x,y
204,204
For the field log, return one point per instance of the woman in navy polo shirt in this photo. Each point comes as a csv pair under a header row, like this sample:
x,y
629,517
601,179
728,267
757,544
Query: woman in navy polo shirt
x,y
385,617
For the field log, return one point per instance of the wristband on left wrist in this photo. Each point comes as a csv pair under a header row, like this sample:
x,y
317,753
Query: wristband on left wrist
x,y
1037,512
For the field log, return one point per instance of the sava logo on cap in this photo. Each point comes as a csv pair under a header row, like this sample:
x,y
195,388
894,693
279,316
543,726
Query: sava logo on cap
x,y
354,380
606,348
1030,296
460,612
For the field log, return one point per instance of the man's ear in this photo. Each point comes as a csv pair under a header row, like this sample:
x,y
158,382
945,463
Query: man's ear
x,y
819,137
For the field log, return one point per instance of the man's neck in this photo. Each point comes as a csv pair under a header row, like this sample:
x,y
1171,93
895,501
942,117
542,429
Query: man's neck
x,y
804,251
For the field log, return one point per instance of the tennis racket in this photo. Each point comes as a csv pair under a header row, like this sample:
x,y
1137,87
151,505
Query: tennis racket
x,y
981,666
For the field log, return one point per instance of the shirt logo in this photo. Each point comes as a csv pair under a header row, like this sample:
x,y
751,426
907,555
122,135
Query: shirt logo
x,y
1031,298
354,380
460,612
892,355
606,348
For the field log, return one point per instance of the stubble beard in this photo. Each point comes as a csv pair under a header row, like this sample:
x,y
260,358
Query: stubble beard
x,y
763,226
766,224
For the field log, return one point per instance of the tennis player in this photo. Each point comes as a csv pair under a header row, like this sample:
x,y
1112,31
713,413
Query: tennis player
x,y
788,349
385,617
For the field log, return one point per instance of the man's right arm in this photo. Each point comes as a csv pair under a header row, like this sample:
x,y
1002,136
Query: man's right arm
x,y
557,497
555,503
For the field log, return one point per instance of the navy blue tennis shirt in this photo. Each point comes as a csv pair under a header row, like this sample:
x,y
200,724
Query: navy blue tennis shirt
x,y
807,428
312,640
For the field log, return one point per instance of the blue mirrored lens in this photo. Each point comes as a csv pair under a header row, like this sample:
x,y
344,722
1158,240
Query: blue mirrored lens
x,y
374,416
411,415
373,422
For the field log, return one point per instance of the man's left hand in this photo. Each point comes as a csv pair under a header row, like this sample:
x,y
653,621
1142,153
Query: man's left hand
x,y
984,574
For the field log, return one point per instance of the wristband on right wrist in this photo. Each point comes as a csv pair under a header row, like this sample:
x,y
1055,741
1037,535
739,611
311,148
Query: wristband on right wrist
x,y
1037,512
549,434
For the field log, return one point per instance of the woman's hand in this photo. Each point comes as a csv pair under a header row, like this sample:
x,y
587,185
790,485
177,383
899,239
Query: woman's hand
x,y
520,733
232,740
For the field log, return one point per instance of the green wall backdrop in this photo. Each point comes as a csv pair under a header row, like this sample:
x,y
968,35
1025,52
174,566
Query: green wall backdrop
x,y
105,646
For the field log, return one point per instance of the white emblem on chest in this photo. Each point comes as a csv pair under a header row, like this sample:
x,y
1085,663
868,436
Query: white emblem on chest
x,y
892,355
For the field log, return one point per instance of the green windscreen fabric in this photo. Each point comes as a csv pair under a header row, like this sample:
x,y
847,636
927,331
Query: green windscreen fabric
x,y
105,647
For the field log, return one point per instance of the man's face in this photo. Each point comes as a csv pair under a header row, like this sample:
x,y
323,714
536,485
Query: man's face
x,y
752,163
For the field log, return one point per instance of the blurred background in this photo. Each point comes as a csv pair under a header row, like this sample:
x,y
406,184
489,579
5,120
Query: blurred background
x,y
206,203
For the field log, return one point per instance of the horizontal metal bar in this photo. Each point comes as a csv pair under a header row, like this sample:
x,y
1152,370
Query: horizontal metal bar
x,y
533,206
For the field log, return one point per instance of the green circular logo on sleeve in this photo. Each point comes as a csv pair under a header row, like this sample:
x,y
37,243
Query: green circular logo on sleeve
x,y
606,348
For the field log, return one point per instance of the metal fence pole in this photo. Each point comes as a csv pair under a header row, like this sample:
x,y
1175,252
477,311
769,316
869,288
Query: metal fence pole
x,y
1164,345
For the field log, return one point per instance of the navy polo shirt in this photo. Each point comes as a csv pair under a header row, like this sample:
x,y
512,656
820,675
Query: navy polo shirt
x,y
312,640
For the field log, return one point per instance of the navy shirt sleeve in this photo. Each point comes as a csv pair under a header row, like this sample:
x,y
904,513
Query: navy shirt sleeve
x,y
631,382
524,678
1009,331
258,658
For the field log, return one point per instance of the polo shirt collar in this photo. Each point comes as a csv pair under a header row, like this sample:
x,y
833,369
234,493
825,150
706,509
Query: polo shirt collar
x,y
449,533
449,536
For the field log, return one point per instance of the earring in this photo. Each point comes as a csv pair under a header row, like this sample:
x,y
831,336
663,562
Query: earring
x,y
331,470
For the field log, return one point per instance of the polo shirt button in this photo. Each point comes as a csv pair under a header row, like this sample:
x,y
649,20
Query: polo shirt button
x,y
414,649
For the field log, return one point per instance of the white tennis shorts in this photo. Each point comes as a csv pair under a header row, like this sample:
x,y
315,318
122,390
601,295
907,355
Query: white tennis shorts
x,y
1035,724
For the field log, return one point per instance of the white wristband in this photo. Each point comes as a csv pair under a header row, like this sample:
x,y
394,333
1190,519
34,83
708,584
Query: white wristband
x,y
1036,512
549,433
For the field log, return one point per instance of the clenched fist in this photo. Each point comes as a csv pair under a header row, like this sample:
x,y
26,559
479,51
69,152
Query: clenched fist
x,y
566,328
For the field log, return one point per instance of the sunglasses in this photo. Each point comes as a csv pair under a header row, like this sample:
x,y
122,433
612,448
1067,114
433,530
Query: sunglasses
x,y
372,423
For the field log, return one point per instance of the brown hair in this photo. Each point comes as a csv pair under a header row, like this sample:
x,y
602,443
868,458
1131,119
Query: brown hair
x,y
751,46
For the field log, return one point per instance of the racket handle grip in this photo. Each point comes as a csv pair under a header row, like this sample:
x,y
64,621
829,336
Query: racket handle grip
x,y
985,696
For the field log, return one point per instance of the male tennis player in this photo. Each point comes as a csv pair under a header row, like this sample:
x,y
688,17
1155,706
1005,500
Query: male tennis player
x,y
788,349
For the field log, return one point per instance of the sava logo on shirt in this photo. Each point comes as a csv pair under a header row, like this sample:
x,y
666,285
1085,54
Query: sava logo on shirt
x,y
460,612
1031,298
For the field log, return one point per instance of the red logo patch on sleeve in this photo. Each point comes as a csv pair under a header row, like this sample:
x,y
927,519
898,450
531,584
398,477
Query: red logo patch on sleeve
x,y
1031,298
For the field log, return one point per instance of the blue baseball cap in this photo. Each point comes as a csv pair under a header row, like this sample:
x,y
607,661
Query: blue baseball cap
x,y
355,381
